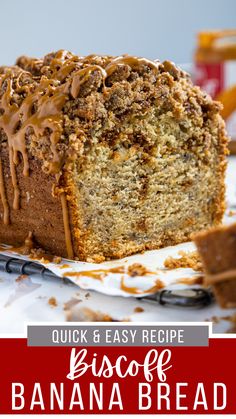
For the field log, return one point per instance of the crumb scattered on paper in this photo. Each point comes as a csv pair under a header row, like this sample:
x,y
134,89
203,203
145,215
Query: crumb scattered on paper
x,y
42,256
231,213
57,259
85,314
21,278
137,270
71,303
23,286
52,302
187,260
213,319
138,310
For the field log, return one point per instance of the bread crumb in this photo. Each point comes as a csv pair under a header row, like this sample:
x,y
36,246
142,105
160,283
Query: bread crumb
x,y
137,270
187,260
71,303
231,213
21,278
214,319
57,260
138,310
52,302
85,314
42,256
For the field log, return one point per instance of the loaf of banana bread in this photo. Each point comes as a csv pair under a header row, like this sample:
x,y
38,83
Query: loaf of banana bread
x,y
102,156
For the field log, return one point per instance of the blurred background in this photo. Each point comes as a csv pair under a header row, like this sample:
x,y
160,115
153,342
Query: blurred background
x,y
163,29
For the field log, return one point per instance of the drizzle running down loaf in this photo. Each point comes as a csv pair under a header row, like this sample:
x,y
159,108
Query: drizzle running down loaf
x,y
102,156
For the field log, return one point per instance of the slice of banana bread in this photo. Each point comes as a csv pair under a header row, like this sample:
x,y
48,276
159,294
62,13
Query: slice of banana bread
x,y
217,249
101,156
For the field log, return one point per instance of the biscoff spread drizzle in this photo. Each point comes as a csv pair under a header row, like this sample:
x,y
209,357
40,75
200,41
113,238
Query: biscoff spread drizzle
x,y
133,62
221,276
66,222
6,215
40,111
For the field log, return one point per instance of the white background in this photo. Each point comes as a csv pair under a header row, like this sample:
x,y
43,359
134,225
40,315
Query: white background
x,y
163,29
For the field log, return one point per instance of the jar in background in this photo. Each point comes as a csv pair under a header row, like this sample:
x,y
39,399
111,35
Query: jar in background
x,y
215,72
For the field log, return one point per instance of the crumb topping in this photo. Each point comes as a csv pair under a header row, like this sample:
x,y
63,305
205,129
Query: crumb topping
x,y
187,260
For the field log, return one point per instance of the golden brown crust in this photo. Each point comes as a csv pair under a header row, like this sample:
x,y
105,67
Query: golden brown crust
x,y
40,212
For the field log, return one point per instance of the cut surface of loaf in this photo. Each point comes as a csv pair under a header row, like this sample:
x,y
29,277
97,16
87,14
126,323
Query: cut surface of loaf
x,y
102,157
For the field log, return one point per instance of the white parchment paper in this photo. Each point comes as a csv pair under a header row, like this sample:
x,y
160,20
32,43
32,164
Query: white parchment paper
x,y
122,284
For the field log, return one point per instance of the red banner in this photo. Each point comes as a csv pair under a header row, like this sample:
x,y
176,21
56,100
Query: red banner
x,y
117,379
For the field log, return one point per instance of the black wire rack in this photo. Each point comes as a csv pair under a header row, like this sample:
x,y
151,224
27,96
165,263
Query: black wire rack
x,y
186,297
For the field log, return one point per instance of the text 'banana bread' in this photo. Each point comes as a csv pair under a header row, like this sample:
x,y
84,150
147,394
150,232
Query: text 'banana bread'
x,y
102,156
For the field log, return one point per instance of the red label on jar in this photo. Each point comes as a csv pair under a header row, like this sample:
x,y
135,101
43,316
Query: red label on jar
x,y
210,77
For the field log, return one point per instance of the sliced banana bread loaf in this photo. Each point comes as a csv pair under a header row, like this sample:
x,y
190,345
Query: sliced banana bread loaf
x,y
101,156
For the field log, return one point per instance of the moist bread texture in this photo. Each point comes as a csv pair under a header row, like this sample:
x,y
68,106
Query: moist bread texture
x,y
102,157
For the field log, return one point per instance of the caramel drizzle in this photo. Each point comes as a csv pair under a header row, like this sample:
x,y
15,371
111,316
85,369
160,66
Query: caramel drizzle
x,y
30,249
50,101
100,274
137,291
50,96
6,215
25,249
81,76
96,273
47,116
66,221
222,276
133,62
